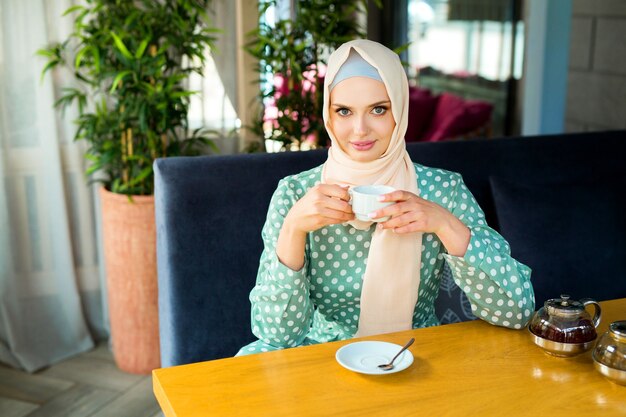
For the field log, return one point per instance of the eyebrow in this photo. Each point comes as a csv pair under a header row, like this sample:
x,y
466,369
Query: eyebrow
x,y
378,103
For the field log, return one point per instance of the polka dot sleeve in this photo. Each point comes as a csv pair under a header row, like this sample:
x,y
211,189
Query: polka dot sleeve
x,y
497,286
281,308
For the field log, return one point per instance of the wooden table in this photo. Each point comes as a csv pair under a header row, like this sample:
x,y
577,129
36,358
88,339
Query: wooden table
x,y
464,369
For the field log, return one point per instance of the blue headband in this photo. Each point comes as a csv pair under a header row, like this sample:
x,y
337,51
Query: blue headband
x,y
355,66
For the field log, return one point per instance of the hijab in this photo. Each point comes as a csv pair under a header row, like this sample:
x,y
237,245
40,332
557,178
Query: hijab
x,y
392,274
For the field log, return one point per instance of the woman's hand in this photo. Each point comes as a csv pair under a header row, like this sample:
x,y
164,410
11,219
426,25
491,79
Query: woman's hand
x,y
413,214
322,205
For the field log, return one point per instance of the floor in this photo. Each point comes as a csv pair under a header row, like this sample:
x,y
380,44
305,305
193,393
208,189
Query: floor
x,y
89,385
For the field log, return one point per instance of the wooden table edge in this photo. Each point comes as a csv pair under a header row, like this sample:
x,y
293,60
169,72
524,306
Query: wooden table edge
x,y
159,394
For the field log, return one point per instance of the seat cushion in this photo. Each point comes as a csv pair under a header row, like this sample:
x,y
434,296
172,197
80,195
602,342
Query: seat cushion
x,y
421,108
455,116
476,115
452,305
447,118
569,234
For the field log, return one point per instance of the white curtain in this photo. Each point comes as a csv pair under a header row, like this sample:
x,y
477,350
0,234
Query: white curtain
x,y
52,290
214,106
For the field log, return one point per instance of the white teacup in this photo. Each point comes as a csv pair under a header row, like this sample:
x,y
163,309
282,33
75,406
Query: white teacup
x,y
364,200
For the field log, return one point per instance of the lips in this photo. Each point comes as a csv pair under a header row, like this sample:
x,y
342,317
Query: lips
x,y
363,145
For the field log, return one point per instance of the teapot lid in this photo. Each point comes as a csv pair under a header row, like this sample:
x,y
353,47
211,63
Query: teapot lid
x,y
618,328
564,305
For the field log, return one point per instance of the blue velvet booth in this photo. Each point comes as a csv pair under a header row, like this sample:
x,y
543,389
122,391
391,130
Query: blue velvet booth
x,y
559,201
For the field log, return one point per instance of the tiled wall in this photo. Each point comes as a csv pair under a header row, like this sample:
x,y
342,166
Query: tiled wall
x,y
596,98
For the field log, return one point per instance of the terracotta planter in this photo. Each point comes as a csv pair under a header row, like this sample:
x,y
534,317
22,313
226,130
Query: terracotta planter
x,y
130,260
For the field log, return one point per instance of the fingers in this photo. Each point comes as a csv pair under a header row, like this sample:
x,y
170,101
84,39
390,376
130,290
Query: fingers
x,y
398,195
410,214
335,216
331,197
405,201
320,216
323,205
333,190
410,222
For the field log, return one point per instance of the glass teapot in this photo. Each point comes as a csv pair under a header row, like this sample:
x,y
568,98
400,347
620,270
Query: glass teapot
x,y
609,355
563,320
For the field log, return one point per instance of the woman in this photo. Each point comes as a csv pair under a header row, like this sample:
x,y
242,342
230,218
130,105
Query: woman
x,y
326,276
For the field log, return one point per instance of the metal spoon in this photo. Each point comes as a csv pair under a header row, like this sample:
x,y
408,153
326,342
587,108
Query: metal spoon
x,y
389,366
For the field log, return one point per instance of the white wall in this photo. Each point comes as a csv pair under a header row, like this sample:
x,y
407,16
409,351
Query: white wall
x,y
596,91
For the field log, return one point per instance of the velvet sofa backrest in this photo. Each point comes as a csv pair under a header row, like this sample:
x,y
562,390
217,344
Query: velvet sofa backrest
x,y
210,211
209,215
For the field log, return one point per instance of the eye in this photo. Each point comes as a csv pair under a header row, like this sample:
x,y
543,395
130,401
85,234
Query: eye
x,y
379,110
343,111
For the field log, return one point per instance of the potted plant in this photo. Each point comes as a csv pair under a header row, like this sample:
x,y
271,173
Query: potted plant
x,y
292,56
130,60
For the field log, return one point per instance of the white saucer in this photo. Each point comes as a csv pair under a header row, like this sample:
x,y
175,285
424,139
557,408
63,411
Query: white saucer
x,y
364,357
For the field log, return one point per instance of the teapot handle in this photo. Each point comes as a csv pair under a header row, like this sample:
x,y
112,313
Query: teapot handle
x,y
598,311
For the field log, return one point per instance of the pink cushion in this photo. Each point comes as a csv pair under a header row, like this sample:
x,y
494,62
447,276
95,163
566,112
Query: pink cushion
x,y
422,104
455,116
477,114
445,118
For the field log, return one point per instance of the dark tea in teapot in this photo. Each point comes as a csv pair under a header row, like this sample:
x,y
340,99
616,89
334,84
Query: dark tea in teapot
x,y
566,321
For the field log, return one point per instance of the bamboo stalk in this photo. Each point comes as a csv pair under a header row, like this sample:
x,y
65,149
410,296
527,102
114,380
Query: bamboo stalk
x,y
123,147
129,137
124,159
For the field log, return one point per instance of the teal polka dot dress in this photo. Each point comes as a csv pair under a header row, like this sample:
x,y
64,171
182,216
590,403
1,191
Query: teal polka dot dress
x,y
320,302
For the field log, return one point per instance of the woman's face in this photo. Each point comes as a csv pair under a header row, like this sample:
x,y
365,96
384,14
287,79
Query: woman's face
x,y
360,118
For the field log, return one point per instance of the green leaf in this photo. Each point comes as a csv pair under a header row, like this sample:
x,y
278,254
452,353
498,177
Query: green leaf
x,y
78,20
118,79
115,185
48,66
179,94
93,168
142,47
47,52
96,59
91,157
72,9
143,174
120,46
79,56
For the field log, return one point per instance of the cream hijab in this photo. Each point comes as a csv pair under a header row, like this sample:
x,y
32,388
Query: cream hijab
x,y
392,275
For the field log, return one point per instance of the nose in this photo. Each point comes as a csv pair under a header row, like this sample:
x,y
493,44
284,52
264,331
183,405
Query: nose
x,y
360,126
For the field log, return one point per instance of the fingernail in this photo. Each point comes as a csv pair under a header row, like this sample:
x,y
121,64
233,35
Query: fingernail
x,y
372,215
379,226
380,198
